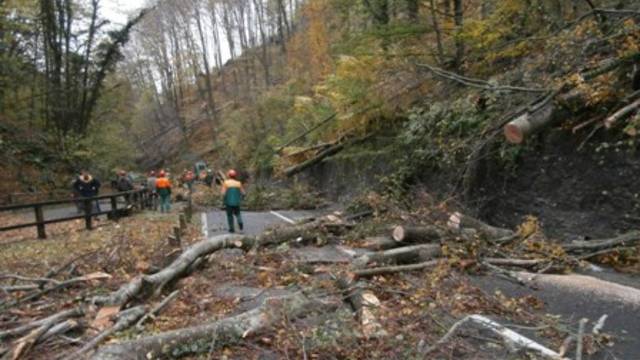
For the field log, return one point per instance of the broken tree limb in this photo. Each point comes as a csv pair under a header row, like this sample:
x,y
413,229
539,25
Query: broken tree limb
x,y
125,318
580,338
198,339
514,262
395,269
330,151
458,221
408,234
156,310
401,254
508,335
143,286
478,83
57,286
53,319
628,239
147,285
24,344
622,114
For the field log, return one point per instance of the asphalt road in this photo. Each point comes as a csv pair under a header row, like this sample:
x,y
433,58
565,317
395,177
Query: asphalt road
x,y
254,222
577,303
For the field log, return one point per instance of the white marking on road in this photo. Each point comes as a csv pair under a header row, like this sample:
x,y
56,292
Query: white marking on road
x,y
282,217
203,217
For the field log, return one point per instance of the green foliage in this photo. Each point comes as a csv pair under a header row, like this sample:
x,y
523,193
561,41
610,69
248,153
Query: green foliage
x,y
439,135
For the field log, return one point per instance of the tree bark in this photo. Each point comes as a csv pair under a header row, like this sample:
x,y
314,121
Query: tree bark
x,y
363,302
210,336
401,255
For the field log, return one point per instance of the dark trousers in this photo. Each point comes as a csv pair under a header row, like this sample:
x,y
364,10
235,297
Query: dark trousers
x,y
231,212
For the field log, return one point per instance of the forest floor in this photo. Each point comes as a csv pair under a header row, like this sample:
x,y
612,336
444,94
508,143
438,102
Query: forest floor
x,y
406,314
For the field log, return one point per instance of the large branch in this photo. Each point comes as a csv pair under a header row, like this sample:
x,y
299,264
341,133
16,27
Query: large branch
x,y
146,285
212,335
627,239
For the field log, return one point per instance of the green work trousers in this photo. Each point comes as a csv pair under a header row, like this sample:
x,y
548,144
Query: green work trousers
x,y
165,202
231,212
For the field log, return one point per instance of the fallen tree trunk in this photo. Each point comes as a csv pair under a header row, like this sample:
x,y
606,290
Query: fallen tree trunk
x,y
458,221
144,286
204,338
628,239
330,151
408,234
402,254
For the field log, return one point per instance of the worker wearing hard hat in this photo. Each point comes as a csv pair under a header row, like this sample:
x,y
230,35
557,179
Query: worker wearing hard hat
x,y
232,193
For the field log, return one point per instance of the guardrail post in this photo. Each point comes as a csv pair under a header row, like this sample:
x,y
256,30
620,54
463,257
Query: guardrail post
x,y
114,208
40,220
87,214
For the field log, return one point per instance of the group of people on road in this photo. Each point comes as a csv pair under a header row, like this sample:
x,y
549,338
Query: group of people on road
x,y
159,186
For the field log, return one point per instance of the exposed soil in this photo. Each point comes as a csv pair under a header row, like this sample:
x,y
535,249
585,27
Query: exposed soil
x,y
574,193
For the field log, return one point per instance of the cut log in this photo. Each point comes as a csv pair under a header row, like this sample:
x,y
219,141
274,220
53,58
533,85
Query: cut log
x,y
408,234
528,123
402,255
379,243
622,114
363,302
458,222
213,335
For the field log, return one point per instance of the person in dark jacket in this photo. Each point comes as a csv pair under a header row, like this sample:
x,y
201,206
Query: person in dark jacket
x,y
87,187
123,184
232,193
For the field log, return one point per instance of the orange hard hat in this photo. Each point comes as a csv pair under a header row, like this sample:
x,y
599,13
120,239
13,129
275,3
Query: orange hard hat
x,y
232,173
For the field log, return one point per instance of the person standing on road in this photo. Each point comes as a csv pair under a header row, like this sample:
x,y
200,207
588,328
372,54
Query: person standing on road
x,y
151,187
163,187
232,193
87,187
124,184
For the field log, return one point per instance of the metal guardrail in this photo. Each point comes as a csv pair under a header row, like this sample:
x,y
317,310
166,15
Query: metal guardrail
x,y
135,197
